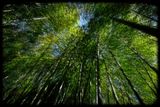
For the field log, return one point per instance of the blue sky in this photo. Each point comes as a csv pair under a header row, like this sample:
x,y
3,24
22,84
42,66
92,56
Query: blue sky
x,y
82,20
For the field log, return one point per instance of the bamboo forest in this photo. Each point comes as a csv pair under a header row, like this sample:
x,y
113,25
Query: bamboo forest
x,y
80,53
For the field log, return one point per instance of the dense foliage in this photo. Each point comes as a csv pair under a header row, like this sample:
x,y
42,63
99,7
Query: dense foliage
x,y
73,53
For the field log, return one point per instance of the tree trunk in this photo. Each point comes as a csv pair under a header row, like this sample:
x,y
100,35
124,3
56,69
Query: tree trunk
x,y
80,81
145,29
98,100
129,82
111,84
138,54
113,89
145,16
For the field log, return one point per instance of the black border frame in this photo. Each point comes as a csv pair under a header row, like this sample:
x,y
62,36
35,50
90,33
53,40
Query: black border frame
x,y
149,2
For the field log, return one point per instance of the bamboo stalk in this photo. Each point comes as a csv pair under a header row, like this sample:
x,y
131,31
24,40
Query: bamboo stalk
x,y
145,15
123,83
138,54
111,84
129,82
113,89
98,100
145,29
